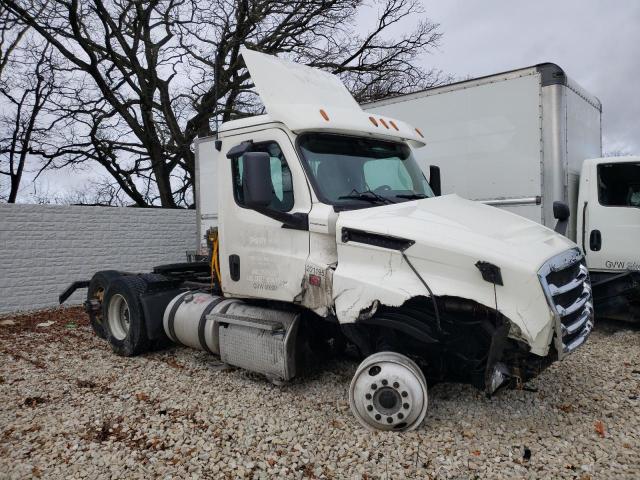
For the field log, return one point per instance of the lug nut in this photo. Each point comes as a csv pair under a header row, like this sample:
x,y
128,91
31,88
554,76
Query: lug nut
x,y
368,396
373,386
396,385
378,416
389,420
405,406
384,382
369,407
405,394
400,416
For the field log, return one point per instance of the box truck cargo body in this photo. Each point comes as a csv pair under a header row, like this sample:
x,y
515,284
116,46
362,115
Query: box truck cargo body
x,y
516,139
519,140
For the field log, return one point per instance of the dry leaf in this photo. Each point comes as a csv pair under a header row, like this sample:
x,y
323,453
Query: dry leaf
x,y
476,453
566,408
172,363
141,396
600,429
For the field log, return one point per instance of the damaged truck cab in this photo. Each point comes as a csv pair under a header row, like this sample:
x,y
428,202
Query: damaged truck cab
x,y
325,228
323,206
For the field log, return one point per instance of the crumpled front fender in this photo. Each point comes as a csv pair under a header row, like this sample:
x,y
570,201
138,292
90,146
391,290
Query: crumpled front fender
x,y
368,275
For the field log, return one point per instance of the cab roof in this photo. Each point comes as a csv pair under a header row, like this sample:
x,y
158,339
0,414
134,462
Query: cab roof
x,y
305,99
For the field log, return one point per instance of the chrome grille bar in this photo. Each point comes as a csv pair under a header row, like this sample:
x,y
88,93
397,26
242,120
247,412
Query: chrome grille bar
x,y
573,284
584,317
575,306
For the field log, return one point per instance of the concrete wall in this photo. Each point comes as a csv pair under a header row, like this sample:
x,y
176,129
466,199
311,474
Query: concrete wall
x,y
45,248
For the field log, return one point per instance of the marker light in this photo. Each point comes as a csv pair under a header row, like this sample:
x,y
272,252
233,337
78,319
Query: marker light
x,y
324,114
384,123
374,121
393,124
420,133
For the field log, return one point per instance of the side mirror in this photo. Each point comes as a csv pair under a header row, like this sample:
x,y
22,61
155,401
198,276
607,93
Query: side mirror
x,y
256,181
561,213
434,180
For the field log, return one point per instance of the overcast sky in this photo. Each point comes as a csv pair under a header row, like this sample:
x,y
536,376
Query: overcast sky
x,y
596,42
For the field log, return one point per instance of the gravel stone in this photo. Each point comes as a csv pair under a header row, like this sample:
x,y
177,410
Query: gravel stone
x,y
72,409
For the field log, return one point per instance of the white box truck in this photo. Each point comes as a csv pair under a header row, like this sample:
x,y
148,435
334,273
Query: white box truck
x,y
321,231
524,140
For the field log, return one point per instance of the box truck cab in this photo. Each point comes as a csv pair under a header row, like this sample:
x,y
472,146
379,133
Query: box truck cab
x,y
322,229
518,140
608,231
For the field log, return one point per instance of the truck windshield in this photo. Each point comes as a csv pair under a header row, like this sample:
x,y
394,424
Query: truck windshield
x,y
356,171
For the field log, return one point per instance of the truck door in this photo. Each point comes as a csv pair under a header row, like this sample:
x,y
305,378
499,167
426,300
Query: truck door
x,y
609,209
259,256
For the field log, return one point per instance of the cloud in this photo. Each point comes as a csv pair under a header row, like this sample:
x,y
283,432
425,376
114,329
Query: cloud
x,y
597,43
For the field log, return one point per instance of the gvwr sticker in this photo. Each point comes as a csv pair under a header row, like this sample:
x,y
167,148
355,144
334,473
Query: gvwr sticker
x,y
622,265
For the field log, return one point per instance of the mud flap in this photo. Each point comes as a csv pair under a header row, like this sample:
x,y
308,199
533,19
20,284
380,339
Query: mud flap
x,y
497,374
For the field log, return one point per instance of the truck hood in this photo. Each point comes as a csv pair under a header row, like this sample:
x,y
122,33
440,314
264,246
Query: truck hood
x,y
448,237
452,223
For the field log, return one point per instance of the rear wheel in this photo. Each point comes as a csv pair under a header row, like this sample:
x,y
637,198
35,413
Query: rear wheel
x,y
388,392
123,316
95,297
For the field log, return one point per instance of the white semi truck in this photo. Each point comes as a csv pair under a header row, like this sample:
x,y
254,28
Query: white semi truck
x,y
322,231
524,140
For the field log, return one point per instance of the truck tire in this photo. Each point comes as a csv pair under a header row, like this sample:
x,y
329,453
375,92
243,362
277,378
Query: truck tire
x,y
124,318
95,296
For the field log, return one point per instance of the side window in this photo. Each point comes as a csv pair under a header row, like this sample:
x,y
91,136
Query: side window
x,y
282,199
619,184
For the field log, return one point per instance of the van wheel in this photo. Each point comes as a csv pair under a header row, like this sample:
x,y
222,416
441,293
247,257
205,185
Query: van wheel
x,y
95,297
123,316
388,392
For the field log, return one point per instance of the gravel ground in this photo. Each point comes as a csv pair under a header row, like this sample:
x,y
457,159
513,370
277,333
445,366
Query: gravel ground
x,y
69,408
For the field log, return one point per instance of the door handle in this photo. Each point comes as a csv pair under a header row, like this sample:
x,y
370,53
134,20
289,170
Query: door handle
x,y
595,240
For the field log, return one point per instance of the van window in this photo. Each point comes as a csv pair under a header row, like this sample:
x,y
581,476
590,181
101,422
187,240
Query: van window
x,y
619,184
282,198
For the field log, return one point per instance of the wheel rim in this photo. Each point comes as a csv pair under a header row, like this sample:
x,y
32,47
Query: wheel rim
x,y
388,392
119,317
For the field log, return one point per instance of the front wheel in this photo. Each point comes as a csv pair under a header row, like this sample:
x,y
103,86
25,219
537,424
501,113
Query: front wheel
x,y
123,316
389,392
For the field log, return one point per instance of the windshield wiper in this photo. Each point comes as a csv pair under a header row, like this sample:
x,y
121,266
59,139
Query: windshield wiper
x,y
412,196
366,195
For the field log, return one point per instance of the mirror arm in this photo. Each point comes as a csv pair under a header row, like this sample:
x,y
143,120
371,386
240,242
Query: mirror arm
x,y
295,221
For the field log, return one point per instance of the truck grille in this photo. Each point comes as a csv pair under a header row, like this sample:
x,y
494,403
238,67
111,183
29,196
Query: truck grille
x,y
565,281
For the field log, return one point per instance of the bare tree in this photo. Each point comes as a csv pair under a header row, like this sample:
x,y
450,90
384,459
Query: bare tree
x,y
26,84
143,79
